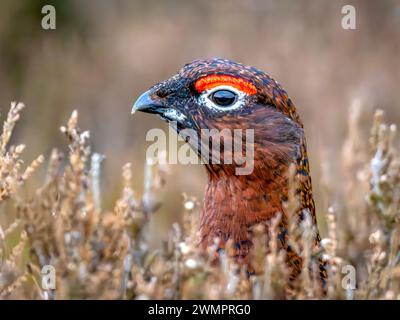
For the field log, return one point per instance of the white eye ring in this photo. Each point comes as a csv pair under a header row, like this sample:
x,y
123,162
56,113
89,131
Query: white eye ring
x,y
204,99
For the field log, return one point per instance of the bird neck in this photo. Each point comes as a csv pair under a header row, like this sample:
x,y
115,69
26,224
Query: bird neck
x,y
235,203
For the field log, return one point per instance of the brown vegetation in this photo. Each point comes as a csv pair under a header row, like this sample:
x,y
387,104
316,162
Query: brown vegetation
x,y
105,253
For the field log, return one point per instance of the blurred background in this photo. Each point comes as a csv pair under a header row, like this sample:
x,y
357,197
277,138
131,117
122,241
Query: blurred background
x,y
103,54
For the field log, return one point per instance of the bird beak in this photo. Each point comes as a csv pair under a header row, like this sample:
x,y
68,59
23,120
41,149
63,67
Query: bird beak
x,y
146,103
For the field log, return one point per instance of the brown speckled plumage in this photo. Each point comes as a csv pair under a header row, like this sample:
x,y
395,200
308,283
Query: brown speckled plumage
x,y
234,203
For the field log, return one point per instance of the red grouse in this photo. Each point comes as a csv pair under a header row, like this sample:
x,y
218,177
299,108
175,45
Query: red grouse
x,y
221,94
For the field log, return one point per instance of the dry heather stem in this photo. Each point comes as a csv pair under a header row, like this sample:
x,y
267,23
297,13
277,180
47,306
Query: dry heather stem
x,y
100,253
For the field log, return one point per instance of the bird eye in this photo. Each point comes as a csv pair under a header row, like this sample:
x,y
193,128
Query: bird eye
x,y
223,98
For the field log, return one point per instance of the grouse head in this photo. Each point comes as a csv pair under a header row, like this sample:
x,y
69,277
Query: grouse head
x,y
219,94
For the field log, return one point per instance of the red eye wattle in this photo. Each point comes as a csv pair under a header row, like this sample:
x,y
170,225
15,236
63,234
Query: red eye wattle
x,y
212,81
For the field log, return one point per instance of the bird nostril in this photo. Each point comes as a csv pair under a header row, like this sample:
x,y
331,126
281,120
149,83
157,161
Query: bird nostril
x,y
162,93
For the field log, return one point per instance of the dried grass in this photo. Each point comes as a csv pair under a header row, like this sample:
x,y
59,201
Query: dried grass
x,y
105,254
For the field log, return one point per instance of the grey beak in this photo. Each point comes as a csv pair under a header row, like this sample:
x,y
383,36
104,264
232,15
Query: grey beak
x,y
146,103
